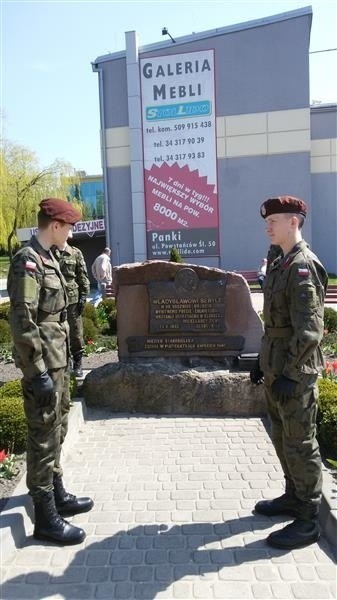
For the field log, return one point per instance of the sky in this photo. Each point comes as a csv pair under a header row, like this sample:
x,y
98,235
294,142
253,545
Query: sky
x,y
49,93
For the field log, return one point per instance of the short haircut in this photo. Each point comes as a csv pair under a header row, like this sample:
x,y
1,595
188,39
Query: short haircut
x,y
107,250
300,218
43,220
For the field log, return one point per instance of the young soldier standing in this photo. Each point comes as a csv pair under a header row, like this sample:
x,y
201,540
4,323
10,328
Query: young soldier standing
x,y
38,319
289,361
74,271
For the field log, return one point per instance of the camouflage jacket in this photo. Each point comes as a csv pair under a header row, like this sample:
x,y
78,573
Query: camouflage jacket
x,y
74,271
293,314
38,301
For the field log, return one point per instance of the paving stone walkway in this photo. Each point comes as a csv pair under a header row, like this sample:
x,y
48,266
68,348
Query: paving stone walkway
x,y
172,518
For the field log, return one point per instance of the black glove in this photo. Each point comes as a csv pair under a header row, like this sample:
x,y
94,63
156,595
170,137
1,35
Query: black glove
x,y
43,388
283,387
80,306
256,375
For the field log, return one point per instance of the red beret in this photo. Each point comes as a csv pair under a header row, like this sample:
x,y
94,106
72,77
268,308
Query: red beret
x,y
60,210
283,204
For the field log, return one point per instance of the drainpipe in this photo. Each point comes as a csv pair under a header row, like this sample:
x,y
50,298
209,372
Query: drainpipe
x,y
97,69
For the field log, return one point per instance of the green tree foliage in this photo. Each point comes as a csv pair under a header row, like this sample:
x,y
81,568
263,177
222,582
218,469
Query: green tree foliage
x,y
24,184
175,256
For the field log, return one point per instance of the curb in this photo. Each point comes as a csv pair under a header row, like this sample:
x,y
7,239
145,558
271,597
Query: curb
x,y
17,516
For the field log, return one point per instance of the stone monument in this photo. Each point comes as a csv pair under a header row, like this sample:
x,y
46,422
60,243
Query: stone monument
x,y
172,309
181,329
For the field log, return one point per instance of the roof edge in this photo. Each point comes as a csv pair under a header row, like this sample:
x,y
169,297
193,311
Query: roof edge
x,y
324,107
291,14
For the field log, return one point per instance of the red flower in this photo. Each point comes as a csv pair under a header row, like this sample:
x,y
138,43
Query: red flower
x,y
334,365
90,342
3,456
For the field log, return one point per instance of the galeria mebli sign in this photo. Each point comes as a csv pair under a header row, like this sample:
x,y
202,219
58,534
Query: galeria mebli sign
x,y
179,139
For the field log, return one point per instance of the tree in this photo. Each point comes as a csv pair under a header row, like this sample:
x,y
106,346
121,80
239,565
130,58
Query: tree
x,y
175,256
24,185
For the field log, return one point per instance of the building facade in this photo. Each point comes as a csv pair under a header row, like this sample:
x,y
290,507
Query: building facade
x,y
249,83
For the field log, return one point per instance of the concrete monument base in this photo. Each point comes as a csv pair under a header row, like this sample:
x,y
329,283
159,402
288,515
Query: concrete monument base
x,y
173,386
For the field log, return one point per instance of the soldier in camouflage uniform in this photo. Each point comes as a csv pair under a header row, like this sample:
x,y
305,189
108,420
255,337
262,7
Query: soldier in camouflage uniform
x,y
290,360
38,319
74,271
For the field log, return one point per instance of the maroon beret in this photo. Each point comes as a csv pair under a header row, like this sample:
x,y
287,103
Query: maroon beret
x,y
60,210
283,204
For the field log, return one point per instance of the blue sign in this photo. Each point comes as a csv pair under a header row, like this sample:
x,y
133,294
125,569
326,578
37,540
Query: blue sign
x,y
176,111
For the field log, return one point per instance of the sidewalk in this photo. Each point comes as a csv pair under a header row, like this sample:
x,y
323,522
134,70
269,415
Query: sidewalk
x,y
172,518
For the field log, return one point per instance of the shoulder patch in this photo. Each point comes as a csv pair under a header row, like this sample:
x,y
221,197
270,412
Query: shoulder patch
x,y
303,271
30,265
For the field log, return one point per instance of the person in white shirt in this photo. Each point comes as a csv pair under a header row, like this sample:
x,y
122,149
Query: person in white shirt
x,y
102,271
261,274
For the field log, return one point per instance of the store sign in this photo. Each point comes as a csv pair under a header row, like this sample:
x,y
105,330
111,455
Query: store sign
x,y
82,227
179,139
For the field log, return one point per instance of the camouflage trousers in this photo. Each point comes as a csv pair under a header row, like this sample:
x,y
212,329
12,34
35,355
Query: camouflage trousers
x,y
293,433
47,428
75,330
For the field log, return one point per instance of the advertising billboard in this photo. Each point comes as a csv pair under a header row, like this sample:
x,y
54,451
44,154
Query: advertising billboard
x,y
179,141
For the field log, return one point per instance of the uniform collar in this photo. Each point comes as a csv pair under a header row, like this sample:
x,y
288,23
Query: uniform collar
x,y
295,250
46,255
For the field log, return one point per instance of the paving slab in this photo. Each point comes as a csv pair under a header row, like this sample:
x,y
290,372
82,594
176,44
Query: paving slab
x,y
172,517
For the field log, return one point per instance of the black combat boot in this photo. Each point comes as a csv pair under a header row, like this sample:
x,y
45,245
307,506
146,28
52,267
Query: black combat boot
x,y
301,532
68,504
287,504
77,365
50,526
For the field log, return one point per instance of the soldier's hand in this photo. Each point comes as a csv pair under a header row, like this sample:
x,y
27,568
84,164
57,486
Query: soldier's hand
x,y
80,306
283,387
43,388
256,375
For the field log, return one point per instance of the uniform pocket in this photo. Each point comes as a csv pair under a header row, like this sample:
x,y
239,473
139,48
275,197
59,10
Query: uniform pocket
x,y
69,268
299,415
51,294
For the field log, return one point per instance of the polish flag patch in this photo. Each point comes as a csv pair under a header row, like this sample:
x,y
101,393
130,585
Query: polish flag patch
x,y
30,265
303,271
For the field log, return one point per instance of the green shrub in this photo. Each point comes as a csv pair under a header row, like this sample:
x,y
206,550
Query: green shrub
x,y
327,393
330,319
110,309
4,310
5,332
109,305
13,425
72,386
101,318
90,331
329,344
175,256
327,431
327,417
89,312
11,388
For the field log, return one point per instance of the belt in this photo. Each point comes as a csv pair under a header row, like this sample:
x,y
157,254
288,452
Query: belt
x,y
279,332
49,318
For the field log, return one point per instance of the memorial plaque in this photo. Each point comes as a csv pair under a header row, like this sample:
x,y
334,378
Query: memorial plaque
x,y
187,343
187,304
